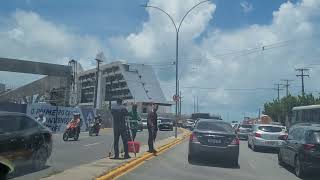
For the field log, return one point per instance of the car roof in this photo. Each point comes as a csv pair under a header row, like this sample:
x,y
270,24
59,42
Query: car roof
x,y
274,125
3,113
212,120
310,126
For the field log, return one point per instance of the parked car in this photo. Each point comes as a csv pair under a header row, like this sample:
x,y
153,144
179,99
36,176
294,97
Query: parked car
x,y
235,125
189,125
144,123
266,136
24,141
165,124
301,149
215,139
244,130
140,126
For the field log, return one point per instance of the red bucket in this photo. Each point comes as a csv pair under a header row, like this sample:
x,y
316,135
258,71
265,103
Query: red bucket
x,y
133,146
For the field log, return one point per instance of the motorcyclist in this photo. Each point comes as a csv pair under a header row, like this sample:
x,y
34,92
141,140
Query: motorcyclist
x,y
97,122
76,121
134,119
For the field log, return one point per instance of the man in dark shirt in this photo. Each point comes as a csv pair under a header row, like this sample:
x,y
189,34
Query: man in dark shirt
x,y
152,127
119,113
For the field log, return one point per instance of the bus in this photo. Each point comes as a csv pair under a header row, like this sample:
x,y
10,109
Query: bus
x,y
305,114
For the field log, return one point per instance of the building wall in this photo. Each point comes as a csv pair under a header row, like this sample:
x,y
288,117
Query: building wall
x,y
119,80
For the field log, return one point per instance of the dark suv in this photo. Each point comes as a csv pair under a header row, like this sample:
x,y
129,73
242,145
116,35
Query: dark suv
x,y
24,141
301,148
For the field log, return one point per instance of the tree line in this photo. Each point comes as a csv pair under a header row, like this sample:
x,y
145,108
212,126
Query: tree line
x,y
281,109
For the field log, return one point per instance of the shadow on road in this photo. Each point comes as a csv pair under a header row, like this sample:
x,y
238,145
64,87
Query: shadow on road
x,y
21,171
213,163
267,150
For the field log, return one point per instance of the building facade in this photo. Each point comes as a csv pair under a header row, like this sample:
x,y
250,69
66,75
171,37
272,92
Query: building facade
x,y
134,83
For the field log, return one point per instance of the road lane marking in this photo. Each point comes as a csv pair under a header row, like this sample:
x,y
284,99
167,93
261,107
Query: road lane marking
x,y
87,145
252,164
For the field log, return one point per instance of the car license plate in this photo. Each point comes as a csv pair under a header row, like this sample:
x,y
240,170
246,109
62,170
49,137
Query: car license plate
x,y
214,141
269,142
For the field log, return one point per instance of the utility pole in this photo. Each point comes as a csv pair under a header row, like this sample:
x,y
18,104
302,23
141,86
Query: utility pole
x,y
180,105
286,85
197,104
278,89
194,104
302,75
97,82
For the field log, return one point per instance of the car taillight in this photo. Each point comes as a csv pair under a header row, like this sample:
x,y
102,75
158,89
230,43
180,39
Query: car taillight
x,y
235,141
193,138
308,147
283,137
257,135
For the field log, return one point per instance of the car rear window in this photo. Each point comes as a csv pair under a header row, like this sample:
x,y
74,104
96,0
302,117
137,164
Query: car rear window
x,y
214,126
165,120
270,128
246,126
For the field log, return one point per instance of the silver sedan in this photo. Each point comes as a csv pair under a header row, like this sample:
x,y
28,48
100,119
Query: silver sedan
x,y
266,136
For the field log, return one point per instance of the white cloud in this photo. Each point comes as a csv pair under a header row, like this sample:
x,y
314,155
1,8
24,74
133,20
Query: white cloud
x,y
298,23
155,43
26,35
246,6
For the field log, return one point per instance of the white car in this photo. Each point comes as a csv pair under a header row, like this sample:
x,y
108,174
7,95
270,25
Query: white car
x,y
266,136
144,123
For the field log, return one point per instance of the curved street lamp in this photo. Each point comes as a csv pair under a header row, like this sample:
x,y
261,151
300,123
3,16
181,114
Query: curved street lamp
x,y
177,28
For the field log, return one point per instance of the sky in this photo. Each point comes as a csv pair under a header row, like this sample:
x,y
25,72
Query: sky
x,y
231,52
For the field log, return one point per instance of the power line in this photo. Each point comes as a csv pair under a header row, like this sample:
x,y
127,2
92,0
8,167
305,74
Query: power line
x,y
302,75
286,85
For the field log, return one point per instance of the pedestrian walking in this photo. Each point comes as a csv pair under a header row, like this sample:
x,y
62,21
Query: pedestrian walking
x,y
152,127
134,119
119,113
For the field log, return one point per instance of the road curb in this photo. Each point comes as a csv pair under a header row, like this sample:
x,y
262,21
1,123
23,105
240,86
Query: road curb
x,y
130,165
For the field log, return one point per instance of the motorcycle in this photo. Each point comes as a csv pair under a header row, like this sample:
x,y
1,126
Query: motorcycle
x,y
71,132
94,128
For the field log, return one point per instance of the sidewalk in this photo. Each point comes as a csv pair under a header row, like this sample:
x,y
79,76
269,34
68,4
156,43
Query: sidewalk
x,y
105,165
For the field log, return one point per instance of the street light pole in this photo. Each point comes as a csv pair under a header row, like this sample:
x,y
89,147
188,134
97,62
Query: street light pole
x,y
177,51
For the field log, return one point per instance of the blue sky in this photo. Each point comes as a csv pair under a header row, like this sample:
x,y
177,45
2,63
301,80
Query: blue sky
x,y
121,17
55,31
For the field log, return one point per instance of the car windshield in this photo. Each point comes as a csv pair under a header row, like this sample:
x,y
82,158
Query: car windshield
x,y
214,126
270,128
247,126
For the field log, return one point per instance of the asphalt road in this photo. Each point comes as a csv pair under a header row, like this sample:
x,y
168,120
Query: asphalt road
x,y
87,149
174,165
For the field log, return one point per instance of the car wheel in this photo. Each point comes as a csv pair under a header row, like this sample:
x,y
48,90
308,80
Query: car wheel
x,y
4,170
76,137
298,169
190,158
280,160
65,136
39,158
